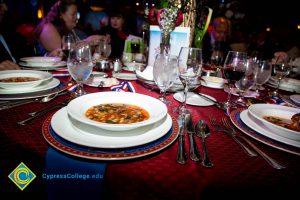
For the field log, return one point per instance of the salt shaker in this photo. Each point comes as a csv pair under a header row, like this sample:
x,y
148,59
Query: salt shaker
x,y
117,65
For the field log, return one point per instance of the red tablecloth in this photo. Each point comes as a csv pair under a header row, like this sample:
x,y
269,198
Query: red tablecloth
x,y
235,175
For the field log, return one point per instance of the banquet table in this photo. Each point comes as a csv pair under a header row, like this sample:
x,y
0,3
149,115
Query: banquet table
x,y
234,175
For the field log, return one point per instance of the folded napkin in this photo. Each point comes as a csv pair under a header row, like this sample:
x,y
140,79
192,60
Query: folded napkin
x,y
147,74
124,86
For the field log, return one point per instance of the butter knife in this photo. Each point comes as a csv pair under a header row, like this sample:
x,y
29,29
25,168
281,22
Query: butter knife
x,y
181,152
194,151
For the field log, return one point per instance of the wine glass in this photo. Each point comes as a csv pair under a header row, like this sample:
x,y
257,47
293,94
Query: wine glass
x,y
262,74
67,43
246,82
190,66
281,69
80,65
165,72
233,70
216,60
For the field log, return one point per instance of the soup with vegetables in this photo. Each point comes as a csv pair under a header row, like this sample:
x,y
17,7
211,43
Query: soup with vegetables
x,y
18,79
117,113
286,123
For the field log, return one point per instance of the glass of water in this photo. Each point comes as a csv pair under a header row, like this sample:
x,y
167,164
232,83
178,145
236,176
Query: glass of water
x,y
165,72
80,66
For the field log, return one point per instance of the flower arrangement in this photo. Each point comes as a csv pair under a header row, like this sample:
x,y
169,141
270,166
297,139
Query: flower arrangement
x,y
167,15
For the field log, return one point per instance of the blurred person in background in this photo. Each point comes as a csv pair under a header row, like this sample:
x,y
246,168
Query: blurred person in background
x,y
60,20
7,60
217,38
117,31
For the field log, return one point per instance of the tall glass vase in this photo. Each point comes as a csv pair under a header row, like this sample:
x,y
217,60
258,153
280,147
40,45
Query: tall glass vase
x,y
165,42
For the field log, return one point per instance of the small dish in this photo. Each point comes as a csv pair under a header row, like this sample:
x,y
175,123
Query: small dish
x,y
125,76
295,98
134,66
213,82
96,80
194,99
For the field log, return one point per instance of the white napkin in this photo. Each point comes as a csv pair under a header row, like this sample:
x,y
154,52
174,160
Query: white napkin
x,y
147,74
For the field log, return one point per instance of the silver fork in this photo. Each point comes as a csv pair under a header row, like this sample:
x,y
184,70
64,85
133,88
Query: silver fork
x,y
270,160
218,127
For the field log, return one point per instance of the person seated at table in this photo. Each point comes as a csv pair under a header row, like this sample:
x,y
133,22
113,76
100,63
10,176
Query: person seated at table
x,y
61,20
117,31
7,61
217,38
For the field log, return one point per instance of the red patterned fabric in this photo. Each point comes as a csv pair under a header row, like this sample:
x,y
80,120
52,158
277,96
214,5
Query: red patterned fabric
x,y
234,175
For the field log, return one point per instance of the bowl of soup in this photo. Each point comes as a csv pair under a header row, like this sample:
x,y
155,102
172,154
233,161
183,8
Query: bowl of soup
x,y
22,79
117,111
277,118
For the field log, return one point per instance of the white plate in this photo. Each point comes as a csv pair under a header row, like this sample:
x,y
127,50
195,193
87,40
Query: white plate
x,y
78,107
94,137
41,61
295,98
260,127
213,82
61,87
287,84
43,86
248,94
259,111
17,86
94,81
133,66
194,99
125,76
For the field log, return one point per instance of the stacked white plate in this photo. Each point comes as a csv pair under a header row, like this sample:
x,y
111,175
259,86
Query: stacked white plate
x,y
42,62
253,118
287,84
71,124
26,81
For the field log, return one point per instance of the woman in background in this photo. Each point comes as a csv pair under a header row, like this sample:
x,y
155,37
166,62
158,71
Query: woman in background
x,y
61,20
117,32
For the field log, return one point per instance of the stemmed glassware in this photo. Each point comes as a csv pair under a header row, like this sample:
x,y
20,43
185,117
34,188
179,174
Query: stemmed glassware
x,y
190,66
246,82
233,70
165,72
67,42
80,65
281,70
262,74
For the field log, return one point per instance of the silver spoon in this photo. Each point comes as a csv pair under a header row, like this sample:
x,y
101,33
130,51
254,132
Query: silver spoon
x,y
202,130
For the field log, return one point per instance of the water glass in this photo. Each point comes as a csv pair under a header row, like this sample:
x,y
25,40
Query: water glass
x,y
165,72
80,65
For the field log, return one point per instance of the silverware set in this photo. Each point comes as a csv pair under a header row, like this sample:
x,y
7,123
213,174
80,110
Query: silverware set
x,y
43,111
226,127
14,103
201,130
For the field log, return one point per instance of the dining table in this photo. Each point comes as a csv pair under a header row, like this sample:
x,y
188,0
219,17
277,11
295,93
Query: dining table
x,y
61,174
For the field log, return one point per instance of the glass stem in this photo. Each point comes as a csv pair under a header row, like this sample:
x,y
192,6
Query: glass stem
x,y
186,89
229,93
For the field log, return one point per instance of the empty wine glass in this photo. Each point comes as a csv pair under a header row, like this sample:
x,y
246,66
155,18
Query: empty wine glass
x,y
281,69
190,66
262,74
67,42
80,65
165,72
233,70
246,82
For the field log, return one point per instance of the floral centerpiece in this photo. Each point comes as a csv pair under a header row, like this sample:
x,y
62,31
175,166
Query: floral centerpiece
x,y
167,15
